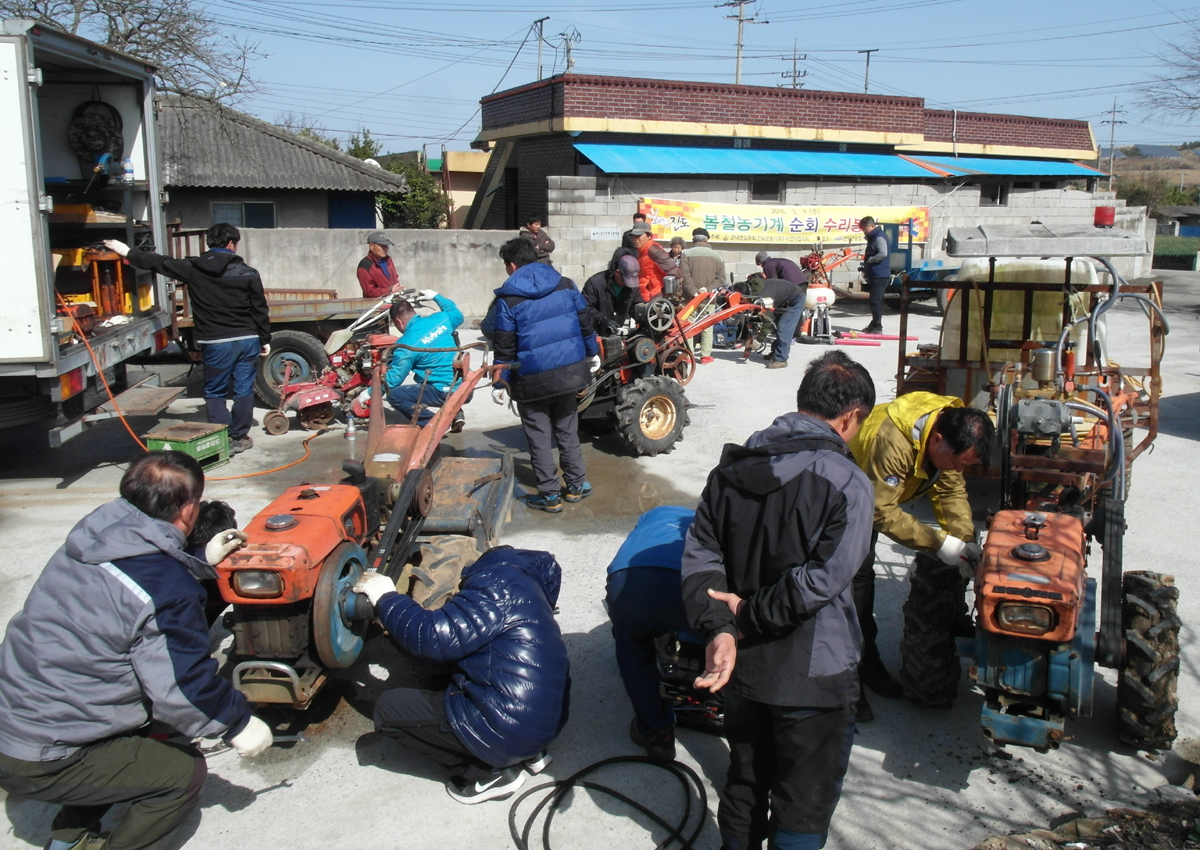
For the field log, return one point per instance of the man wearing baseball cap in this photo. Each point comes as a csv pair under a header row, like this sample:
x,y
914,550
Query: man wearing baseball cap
x,y
607,294
376,272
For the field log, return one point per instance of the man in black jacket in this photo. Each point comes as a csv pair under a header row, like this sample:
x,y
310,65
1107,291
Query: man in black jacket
x,y
232,325
782,527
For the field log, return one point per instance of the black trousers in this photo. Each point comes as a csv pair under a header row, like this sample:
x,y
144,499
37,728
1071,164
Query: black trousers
x,y
161,781
416,719
863,590
875,287
786,766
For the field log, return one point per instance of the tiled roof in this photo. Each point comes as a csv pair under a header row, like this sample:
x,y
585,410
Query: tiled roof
x,y
206,145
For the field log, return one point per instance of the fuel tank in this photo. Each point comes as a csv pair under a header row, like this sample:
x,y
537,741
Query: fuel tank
x,y
289,541
1030,582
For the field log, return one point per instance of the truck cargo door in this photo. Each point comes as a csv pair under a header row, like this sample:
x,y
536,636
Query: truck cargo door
x,y
24,315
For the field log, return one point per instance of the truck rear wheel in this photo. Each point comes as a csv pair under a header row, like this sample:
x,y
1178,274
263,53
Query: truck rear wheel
x,y
651,414
1146,684
302,352
929,665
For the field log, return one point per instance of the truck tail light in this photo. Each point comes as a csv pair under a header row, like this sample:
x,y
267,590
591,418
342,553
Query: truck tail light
x,y
1026,619
72,383
257,584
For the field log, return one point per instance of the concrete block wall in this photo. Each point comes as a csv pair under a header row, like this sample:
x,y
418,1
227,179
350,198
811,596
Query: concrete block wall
x,y
464,265
583,204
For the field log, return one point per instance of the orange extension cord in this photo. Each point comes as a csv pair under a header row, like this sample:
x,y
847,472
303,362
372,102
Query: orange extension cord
x,y
136,439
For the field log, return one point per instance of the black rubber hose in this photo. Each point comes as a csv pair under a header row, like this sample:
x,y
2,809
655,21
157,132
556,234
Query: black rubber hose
x,y
558,790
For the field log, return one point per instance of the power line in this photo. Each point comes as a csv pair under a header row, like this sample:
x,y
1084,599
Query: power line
x,y
795,75
742,20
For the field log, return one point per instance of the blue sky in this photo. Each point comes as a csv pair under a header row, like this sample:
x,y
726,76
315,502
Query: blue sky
x,y
413,72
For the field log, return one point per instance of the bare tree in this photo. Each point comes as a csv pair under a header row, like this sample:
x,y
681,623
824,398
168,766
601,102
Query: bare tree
x,y
1178,90
193,56
307,128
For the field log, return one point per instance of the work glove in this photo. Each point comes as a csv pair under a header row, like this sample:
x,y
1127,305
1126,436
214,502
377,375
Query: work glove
x,y
117,247
769,303
594,364
254,740
959,553
374,585
224,544
266,349
428,294
499,395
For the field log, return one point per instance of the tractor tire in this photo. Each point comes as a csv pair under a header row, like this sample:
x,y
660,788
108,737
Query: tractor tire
x,y
306,355
893,302
943,299
1146,683
929,665
651,414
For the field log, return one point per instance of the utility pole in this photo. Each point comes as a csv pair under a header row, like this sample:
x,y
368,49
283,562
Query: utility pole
x,y
570,38
1112,134
796,74
742,21
539,24
867,75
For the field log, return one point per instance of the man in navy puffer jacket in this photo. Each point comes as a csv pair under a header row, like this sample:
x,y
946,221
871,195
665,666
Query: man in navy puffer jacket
x,y
510,690
542,328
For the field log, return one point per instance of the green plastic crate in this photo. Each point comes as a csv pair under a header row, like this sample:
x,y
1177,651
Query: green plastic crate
x,y
207,443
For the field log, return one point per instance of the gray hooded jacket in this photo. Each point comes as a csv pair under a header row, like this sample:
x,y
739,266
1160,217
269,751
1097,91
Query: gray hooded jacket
x,y
112,634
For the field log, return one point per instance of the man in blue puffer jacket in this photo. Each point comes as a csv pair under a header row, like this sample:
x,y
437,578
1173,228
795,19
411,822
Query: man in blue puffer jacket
x,y
510,690
543,331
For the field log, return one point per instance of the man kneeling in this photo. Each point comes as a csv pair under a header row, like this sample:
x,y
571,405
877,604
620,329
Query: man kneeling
x,y
112,634
510,689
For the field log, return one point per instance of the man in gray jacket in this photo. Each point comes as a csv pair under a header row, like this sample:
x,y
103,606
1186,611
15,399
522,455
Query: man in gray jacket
x,y
112,634
703,271
767,570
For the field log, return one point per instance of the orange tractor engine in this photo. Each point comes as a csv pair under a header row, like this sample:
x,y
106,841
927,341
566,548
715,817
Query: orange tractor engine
x,y
290,587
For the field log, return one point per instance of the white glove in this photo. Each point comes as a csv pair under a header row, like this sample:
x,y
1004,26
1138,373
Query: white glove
x,y
117,247
769,303
254,740
956,553
266,349
374,585
594,364
428,294
224,544
499,395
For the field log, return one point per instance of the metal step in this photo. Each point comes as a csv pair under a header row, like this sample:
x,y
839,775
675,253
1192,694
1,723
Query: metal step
x,y
140,401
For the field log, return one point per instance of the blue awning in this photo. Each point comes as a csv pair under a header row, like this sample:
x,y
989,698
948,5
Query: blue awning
x,y
965,165
651,159
648,159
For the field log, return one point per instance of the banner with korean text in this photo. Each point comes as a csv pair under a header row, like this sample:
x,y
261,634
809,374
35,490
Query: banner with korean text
x,y
772,224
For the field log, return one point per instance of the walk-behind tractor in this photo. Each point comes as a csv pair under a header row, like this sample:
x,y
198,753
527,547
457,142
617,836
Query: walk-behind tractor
x,y
408,510
1027,339
644,367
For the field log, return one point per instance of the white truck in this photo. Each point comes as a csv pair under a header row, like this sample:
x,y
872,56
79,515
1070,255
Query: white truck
x,y
77,133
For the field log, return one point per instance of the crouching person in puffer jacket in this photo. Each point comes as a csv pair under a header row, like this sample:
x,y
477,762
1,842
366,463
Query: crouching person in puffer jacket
x,y
510,690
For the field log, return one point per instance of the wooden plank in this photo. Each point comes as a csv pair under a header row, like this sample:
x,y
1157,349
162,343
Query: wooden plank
x,y
143,401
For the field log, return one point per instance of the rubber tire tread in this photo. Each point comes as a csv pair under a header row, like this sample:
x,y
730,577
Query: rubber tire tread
x,y
1147,696
630,401
929,662
294,341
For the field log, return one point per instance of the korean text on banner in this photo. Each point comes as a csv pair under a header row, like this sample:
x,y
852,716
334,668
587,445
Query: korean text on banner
x,y
761,223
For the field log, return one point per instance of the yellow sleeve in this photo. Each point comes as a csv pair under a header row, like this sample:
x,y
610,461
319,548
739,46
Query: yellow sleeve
x,y
888,462
951,505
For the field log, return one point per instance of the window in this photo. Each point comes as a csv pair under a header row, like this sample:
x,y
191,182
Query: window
x,y
248,214
993,195
768,189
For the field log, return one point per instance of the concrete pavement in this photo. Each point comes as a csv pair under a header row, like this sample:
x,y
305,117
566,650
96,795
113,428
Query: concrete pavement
x,y
918,778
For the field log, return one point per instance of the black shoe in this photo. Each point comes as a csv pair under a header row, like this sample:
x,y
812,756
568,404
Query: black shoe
x,y
457,423
872,329
499,786
538,763
659,744
878,679
863,712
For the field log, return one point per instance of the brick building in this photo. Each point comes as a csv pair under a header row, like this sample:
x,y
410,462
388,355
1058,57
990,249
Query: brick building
x,y
584,150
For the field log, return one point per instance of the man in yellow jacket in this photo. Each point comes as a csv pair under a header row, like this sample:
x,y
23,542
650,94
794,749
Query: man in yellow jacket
x,y
917,445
